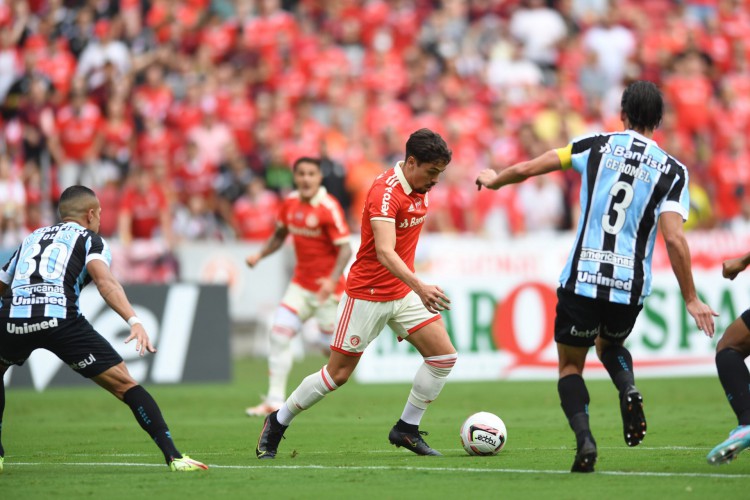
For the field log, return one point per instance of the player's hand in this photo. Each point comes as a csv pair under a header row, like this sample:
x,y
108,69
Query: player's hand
x,y
732,267
485,179
252,260
142,342
433,298
327,287
703,316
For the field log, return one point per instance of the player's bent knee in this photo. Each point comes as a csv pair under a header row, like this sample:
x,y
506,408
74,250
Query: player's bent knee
x,y
340,375
116,380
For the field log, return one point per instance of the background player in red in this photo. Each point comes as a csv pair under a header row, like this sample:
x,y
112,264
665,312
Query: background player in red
x,y
381,290
321,244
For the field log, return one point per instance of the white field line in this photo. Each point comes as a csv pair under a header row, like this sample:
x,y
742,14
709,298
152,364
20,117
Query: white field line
x,y
394,468
221,453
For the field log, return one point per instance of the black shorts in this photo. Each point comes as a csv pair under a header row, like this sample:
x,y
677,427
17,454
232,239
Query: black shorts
x,y
72,340
579,320
746,318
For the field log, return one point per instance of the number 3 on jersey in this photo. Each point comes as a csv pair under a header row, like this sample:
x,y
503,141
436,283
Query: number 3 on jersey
x,y
51,262
618,208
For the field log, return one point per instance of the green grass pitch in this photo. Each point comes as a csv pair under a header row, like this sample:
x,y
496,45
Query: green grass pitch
x,y
81,443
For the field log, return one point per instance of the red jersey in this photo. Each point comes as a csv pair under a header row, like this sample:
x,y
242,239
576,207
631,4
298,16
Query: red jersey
x,y
145,210
391,199
255,218
78,132
317,229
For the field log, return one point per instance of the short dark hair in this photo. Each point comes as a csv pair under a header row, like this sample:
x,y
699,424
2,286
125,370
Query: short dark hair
x,y
643,105
306,159
427,146
72,200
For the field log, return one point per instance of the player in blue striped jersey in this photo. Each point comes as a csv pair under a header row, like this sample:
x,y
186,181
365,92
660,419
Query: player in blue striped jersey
x,y
629,186
40,287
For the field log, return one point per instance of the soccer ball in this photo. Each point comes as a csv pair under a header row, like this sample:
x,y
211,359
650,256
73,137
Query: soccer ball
x,y
483,434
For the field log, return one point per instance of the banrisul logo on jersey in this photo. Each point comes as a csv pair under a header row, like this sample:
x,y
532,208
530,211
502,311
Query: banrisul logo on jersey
x,y
628,154
188,324
503,301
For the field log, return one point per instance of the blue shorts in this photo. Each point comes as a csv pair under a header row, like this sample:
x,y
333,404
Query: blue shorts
x,y
72,340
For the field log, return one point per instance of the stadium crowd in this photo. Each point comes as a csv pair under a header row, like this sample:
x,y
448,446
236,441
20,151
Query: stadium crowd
x,y
185,116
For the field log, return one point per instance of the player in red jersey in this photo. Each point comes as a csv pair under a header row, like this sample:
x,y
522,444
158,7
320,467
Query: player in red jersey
x,y
381,290
321,244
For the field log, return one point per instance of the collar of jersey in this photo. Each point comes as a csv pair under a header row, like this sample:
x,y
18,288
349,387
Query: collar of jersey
x,y
72,223
639,135
400,174
317,197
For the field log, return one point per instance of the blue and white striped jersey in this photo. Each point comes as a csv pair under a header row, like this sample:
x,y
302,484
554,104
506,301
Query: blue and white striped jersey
x,y
627,181
48,271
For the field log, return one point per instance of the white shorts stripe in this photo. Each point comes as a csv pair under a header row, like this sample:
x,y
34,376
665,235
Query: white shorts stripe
x,y
344,322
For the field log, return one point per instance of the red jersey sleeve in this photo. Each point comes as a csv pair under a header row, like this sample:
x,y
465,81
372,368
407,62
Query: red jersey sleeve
x,y
336,229
281,213
381,202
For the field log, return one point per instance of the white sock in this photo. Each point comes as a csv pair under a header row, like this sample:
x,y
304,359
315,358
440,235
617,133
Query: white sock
x,y
310,391
286,324
280,359
428,382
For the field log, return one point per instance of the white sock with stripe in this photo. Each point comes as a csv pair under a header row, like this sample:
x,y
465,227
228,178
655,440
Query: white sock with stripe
x,y
280,356
428,382
310,391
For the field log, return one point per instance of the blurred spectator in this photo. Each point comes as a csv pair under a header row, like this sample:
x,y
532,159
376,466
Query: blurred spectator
x,y
144,210
542,204
539,28
587,11
76,142
109,197
512,74
118,148
361,171
195,221
13,205
102,49
156,145
211,136
58,64
334,177
194,176
153,99
452,202
701,214
38,119
730,171
689,90
613,44
255,212
231,183
592,80
10,61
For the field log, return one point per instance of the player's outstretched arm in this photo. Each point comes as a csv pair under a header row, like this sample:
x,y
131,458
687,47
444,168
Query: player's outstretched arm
x,y
270,246
542,164
113,294
732,267
384,233
670,224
